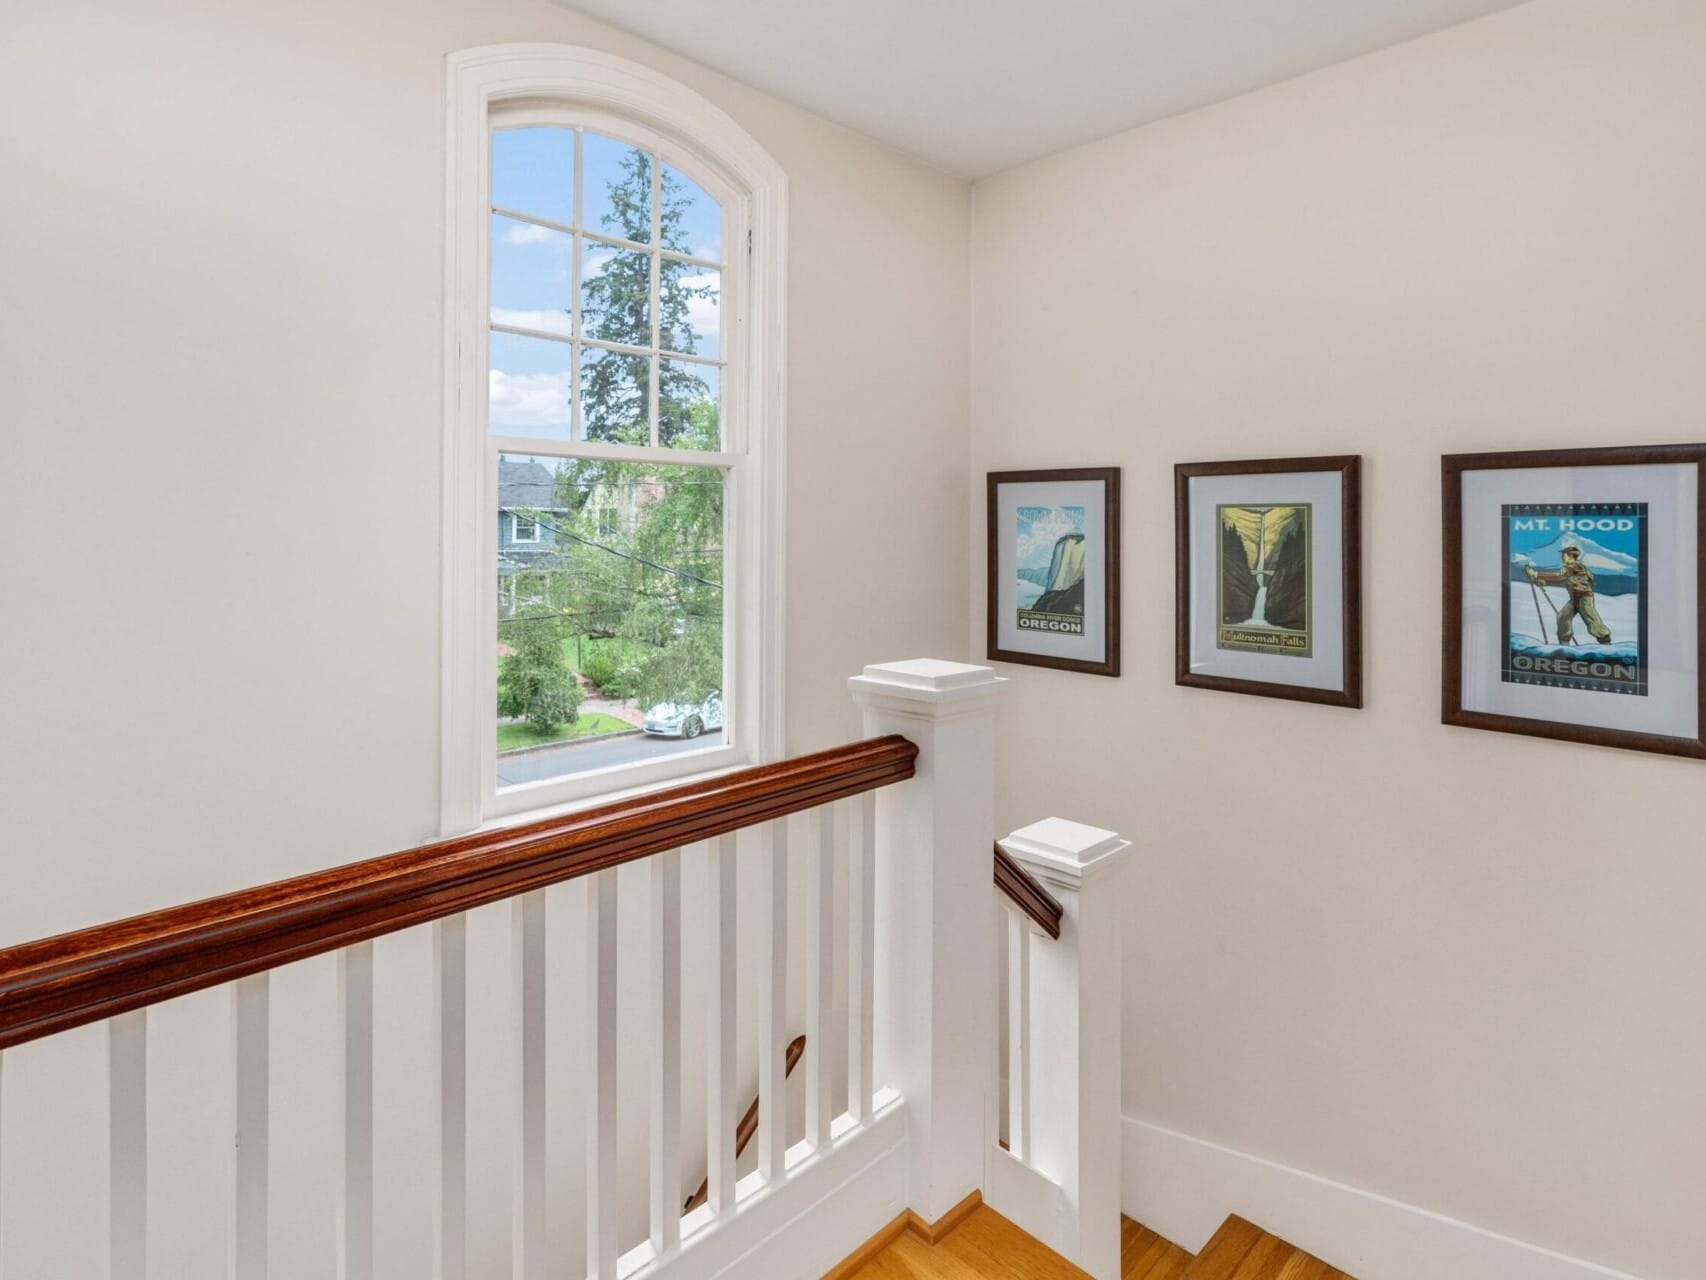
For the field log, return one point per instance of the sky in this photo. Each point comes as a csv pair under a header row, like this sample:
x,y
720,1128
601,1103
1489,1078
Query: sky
x,y
531,271
1039,529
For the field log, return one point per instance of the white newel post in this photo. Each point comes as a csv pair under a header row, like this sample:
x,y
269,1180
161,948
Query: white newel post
x,y
936,976
1075,1034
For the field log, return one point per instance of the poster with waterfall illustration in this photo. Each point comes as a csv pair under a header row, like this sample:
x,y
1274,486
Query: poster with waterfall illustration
x,y
1262,573
1054,568
1267,557
1575,611
1050,569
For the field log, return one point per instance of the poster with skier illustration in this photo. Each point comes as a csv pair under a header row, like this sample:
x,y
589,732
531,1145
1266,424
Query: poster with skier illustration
x,y
1575,611
1262,575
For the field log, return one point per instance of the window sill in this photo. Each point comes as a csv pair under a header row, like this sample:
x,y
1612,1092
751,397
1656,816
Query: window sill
x,y
541,801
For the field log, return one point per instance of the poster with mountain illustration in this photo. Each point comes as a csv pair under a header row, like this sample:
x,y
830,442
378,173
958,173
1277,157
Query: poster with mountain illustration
x,y
1049,564
1575,609
1263,576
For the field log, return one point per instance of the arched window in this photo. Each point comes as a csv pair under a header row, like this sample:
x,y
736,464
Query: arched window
x,y
613,438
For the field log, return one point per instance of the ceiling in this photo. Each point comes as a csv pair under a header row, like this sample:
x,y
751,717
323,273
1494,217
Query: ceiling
x,y
977,86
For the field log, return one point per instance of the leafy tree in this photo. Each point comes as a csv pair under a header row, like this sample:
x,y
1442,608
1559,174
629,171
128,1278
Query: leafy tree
x,y
534,682
654,574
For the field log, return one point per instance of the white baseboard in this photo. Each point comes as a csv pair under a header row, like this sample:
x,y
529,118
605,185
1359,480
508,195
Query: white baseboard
x,y
1183,1188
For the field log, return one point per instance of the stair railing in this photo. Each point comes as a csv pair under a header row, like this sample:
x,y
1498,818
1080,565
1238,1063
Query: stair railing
x,y
1058,1172
916,796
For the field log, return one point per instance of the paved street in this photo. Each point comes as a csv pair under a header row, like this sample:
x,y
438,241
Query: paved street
x,y
574,757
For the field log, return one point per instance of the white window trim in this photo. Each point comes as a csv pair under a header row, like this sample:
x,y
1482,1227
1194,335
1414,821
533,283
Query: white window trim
x,y
690,131
515,530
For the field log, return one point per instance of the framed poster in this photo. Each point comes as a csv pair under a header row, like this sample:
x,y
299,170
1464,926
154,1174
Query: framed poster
x,y
1573,595
1268,577
1054,569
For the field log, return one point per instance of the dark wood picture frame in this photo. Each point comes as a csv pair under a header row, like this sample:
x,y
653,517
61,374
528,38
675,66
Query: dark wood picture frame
x,y
1109,477
1349,467
1452,468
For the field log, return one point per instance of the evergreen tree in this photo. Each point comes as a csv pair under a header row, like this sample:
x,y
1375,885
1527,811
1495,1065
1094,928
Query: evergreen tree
x,y
616,307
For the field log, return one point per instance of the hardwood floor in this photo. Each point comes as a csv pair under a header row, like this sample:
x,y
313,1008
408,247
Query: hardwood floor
x,y
1146,1256
985,1246
1242,1251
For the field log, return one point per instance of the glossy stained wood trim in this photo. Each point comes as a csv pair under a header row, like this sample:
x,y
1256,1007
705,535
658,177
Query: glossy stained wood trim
x,y
1452,467
1110,478
937,1231
76,978
1027,893
748,1126
1349,467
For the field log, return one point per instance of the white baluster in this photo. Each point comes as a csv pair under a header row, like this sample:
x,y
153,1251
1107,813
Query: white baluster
x,y
527,1229
666,1059
820,977
355,1100
601,1191
773,1016
251,1052
720,1103
1018,1035
127,1103
861,962
450,1191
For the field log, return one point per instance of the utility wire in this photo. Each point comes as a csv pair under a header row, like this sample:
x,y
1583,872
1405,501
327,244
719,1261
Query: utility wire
x,y
625,555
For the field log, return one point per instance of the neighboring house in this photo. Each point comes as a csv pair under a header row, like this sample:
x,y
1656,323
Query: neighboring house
x,y
529,514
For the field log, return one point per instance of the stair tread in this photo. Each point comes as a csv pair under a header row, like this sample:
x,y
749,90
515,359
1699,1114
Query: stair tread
x,y
1240,1250
986,1246
1147,1256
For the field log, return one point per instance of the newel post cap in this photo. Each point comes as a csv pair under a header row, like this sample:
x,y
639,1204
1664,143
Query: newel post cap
x,y
927,686
1065,852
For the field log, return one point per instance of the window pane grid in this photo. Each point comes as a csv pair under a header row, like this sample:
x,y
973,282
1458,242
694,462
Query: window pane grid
x,y
656,304
577,422
545,335
600,237
658,358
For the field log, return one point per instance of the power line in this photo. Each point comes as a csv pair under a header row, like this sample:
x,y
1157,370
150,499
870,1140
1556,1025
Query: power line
x,y
625,555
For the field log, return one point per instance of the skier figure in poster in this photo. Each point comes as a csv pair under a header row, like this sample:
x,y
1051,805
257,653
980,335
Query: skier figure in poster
x,y
1576,578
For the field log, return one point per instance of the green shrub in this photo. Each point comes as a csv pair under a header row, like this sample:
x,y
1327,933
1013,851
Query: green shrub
x,y
599,666
535,683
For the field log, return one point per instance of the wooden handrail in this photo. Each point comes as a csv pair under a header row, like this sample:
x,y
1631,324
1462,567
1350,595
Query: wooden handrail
x,y
76,978
1027,893
747,1129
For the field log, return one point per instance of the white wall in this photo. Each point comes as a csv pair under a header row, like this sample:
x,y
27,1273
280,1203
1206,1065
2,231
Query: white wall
x,y
1461,969
220,330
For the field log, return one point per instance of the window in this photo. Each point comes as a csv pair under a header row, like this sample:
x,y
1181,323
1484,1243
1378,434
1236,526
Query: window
x,y
615,280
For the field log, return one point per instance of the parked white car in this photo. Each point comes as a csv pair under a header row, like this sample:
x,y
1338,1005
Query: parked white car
x,y
685,719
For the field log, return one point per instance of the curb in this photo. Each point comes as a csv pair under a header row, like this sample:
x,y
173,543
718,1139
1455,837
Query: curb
x,y
570,742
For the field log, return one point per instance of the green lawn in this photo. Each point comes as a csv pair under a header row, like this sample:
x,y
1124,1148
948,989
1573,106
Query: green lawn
x,y
512,737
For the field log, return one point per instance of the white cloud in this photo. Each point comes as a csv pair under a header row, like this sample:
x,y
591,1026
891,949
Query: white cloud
x,y
529,399
544,321
526,233
1038,544
703,313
